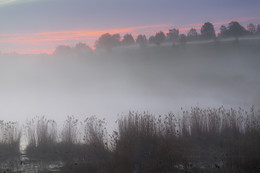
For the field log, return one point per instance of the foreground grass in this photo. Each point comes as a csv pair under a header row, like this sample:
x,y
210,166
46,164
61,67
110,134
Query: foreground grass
x,y
10,135
199,140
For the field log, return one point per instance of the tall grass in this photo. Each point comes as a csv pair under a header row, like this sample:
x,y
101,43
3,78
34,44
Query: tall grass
x,y
147,143
69,134
10,135
230,138
195,140
95,148
90,152
204,137
95,131
41,135
78,142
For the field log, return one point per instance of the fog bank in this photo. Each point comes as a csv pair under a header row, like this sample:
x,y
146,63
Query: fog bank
x,y
158,79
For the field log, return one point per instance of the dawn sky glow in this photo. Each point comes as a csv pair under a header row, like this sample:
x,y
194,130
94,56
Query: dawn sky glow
x,y
38,26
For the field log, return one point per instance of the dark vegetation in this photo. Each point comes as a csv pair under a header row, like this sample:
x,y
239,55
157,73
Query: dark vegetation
x,y
207,32
10,135
197,140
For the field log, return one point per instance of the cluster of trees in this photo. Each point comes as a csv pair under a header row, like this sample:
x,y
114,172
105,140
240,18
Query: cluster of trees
x,y
80,48
234,29
207,32
108,41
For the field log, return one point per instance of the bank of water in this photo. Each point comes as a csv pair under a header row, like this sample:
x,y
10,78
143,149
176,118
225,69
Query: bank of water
x,y
22,163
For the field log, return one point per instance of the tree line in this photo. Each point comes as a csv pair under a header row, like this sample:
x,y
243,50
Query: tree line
x,y
207,32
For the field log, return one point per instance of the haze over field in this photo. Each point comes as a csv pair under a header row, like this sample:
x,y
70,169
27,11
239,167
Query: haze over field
x,y
107,83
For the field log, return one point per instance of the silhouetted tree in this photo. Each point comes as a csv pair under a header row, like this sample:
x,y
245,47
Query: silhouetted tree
x,y
258,29
223,31
116,39
236,30
128,39
251,28
182,39
208,31
62,50
141,40
152,39
107,41
192,34
173,35
159,37
82,48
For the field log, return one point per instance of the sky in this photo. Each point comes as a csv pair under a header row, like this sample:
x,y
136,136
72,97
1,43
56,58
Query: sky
x,y
39,26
